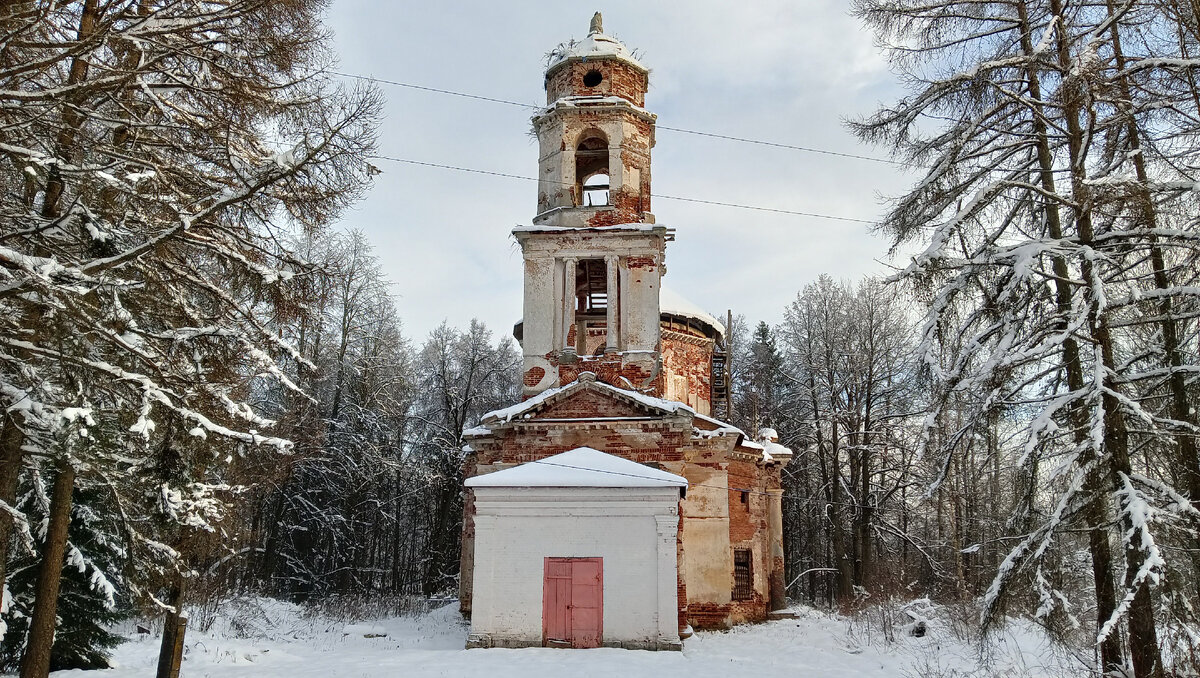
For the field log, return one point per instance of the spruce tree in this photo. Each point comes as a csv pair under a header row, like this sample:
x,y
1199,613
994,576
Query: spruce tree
x,y
91,596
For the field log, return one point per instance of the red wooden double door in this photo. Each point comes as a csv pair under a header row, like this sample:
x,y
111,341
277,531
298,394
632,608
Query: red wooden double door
x,y
573,602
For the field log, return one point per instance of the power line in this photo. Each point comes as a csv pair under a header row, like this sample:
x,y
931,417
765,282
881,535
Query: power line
x,y
747,490
806,149
435,90
681,130
701,201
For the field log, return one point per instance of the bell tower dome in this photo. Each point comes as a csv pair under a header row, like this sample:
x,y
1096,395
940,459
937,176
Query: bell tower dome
x,y
593,256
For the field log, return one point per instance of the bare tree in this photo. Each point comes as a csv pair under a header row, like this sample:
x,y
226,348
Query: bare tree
x,y
1040,259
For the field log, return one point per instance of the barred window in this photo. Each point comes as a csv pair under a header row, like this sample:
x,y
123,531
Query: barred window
x,y
743,575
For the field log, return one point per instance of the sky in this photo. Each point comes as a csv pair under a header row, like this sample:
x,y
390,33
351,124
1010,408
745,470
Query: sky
x,y
775,70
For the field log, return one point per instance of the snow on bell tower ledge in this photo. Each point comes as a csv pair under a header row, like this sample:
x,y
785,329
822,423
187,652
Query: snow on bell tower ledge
x,y
593,257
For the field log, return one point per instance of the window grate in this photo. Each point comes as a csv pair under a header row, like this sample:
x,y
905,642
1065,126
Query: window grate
x,y
742,575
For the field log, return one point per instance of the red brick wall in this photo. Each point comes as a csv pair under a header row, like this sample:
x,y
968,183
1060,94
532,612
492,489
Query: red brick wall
x,y
645,442
709,615
587,404
619,79
612,370
748,530
745,519
691,357
629,203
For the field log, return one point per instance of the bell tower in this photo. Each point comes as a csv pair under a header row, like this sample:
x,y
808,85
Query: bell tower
x,y
594,136
594,256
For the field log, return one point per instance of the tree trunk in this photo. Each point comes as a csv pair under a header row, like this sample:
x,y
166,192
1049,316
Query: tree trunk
x,y
1143,637
11,456
36,661
1096,514
72,117
174,626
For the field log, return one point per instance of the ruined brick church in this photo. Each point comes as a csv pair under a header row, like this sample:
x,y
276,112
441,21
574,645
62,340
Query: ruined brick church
x,y
565,490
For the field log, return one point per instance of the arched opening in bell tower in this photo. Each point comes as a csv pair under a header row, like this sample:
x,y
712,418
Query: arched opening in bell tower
x,y
591,170
595,190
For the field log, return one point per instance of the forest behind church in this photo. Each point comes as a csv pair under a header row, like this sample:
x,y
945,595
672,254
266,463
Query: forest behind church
x,y
207,390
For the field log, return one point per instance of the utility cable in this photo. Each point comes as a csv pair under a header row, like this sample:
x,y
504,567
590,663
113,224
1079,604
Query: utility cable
x,y
505,175
690,484
681,130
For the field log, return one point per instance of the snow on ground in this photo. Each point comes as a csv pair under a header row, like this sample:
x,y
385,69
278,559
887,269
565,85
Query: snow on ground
x,y
271,638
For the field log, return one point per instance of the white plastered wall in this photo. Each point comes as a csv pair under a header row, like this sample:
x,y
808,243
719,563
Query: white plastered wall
x,y
633,529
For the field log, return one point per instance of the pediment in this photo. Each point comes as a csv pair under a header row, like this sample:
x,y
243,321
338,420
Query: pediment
x,y
582,400
594,403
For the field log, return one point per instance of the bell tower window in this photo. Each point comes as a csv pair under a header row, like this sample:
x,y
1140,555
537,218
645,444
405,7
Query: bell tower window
x,y
595,190
590,308
591,287
591,170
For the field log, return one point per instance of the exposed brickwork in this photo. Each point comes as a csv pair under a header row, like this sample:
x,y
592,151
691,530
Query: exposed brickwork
x,y
747,505
681,593
467,553
751,610
533,376
619,78
612,369
590,404
709,615
629,200
687,364
748,529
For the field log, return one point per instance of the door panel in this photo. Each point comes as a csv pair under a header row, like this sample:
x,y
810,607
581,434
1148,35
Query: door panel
x,y
556,603
587,599
573,602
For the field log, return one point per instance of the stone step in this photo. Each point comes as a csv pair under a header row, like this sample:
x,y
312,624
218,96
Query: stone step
x,y
782,614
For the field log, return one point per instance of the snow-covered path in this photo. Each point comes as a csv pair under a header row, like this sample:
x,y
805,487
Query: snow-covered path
x,y
284,644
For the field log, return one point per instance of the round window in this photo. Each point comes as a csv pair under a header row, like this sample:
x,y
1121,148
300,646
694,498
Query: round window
x,y
592,78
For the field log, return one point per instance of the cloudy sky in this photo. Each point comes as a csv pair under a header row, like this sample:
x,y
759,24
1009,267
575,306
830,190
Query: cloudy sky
x,y
777,70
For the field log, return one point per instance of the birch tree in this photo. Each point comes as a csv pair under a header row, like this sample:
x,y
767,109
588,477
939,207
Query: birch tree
x,y
847,365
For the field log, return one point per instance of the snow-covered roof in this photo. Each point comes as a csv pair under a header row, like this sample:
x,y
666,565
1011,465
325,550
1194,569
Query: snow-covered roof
x,y
507,414
669,301
580,467
595,45
773,450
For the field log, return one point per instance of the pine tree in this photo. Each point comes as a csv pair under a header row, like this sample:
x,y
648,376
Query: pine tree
x,y
91,599
155,154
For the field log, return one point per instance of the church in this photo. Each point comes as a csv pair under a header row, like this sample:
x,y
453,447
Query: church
x,y
611,507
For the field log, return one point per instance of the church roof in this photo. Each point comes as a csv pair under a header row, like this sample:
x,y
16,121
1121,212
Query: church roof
x,y
671,303
702,426
580,467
